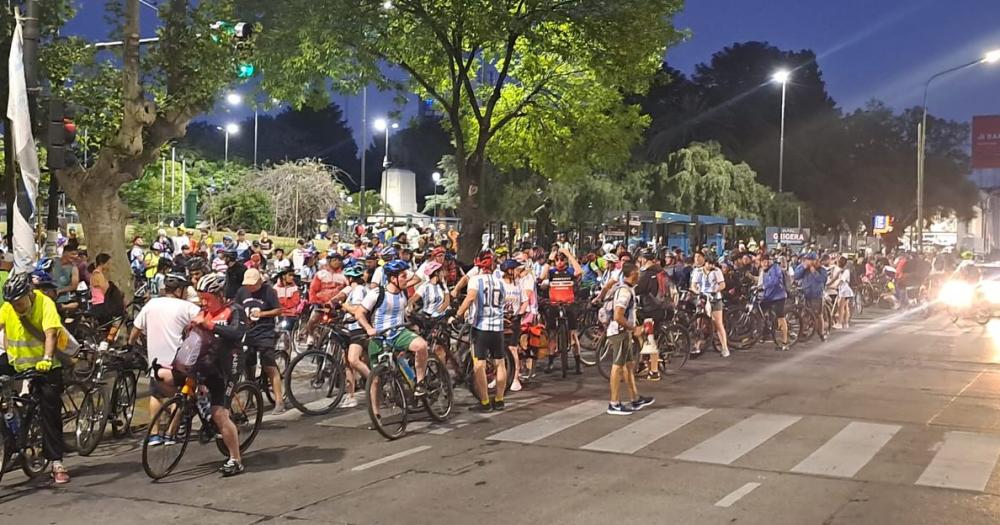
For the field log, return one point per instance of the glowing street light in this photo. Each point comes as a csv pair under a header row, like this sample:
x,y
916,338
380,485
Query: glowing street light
x,y
387,5
781,76
229,129
992,57
234,99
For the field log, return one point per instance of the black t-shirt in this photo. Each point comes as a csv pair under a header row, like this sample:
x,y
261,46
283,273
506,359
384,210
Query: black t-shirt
x,y
260,331
234,279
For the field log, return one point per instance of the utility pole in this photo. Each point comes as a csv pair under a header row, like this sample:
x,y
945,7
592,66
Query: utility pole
x,y
32,30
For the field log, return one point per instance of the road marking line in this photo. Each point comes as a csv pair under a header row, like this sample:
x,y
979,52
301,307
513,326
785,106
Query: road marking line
x,y
965,461
467,419
737,495
394,457
956,396
731,444
849,451
550,424
645,431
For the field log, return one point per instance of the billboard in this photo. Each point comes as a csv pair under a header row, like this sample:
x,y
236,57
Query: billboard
x,y
986,142
788,237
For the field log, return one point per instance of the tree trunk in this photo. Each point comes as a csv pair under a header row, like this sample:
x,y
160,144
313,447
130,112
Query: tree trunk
x,y
104,217
473,222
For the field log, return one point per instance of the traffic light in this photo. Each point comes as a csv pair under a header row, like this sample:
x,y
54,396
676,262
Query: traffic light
x,y
240,34
61,135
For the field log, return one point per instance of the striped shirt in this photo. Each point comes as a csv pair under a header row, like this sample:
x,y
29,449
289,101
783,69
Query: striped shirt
x,y
433,298
487,312
392,311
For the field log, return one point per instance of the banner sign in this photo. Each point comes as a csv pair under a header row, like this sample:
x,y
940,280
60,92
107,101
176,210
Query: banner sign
x,y
986,142
881,224
788,236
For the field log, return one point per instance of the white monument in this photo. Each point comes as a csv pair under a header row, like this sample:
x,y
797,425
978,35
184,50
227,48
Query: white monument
x,y
399,190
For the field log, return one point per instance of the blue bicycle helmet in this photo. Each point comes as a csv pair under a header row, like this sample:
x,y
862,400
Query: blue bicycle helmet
x,y
355,270
44,264
396,267
389,253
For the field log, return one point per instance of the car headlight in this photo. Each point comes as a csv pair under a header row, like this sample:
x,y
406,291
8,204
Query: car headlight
x,y
991,291
957,294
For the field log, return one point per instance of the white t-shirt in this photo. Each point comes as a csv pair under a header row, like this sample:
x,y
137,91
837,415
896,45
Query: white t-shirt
x,y
281,264
624,297
180,241
164,320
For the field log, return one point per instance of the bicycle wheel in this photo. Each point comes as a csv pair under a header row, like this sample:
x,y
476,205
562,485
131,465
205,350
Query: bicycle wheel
x,y
744,331
857,306
33,462
604,357
92,420
123,399
675,347
439,398
562,344
72,398
264,381
807,325
314,383
387,403
246,409
172,422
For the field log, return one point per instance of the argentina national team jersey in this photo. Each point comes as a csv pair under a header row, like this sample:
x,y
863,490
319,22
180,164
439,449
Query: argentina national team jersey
x,y
513,297
392,311
433,298
354,298
487,313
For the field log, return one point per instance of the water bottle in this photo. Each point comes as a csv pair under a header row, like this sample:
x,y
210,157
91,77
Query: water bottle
x,y
204,407
10,418
404,365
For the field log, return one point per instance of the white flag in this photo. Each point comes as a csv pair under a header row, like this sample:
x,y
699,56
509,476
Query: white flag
x,y
25,249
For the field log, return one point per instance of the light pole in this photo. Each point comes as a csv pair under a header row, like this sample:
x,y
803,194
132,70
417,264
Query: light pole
x,y
781,76
230,129
991,57
383,125
436,177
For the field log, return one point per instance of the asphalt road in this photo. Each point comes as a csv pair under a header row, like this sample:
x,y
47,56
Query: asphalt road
x,y
896,420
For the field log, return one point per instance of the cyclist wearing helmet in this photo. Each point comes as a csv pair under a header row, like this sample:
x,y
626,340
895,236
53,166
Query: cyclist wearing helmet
x,y
436,257
474,271
560,276
32,331
383,312
515,306
378,274
164,320
217,366
350,298
234,272
487,293
433,292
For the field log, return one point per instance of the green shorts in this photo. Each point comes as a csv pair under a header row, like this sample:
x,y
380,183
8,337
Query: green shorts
x,y
621,348
400,342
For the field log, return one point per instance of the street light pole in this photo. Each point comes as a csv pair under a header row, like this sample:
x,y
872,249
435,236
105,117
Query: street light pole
x,y
255,138
364,151
226,161
782,77
990,58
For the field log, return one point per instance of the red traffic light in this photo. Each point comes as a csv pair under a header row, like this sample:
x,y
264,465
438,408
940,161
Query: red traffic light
x,y
69,126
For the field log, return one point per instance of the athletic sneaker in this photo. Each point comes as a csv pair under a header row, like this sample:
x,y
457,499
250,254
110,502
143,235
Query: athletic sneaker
x,y
481,408
642,402
498,405
725,352
278,410
653,376
620,410
349,402
515,386
154,440
231,468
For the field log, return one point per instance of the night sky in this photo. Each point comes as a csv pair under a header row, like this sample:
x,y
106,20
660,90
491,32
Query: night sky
x,y
883,49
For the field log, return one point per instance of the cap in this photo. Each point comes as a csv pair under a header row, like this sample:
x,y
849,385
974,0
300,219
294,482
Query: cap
x,y
810,256
252,277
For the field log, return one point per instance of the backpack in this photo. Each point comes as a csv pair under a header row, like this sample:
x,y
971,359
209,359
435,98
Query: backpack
x,y
662,287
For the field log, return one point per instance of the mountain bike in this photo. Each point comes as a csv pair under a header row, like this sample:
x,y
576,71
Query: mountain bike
x,y
315,380
96,409
564,344
21,428
393,380
174,419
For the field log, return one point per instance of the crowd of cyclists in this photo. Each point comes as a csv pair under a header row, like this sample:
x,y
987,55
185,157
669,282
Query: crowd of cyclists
x,y
207,317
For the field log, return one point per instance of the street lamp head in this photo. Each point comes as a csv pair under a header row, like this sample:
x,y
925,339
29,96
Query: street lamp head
x,y
781,76
992,57
232,128
436,177
234,99
387,5
381,124
395,125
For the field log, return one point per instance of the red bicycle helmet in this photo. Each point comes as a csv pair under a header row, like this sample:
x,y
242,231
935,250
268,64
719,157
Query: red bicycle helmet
x,y
485,260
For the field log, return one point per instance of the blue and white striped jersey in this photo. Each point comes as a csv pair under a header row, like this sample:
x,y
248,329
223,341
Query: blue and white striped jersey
x,y
392,311
433,298
354,298
487,310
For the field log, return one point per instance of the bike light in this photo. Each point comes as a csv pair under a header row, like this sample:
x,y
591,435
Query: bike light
x,y
957,294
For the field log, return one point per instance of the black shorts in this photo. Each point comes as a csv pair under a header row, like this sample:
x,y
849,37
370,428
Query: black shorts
x,y
553,311
218,378
778,307
357,337
268,356
487,345
513,335
815,305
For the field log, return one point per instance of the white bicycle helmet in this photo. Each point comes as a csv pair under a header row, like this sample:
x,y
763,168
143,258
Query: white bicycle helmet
x,y
212,283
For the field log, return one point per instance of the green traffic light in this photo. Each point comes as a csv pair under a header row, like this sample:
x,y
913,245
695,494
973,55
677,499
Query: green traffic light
x,y
246,70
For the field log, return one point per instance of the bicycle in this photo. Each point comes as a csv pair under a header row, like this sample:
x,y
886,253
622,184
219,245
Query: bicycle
x,y
315,380
756,323
562,334
21,431
392,384
95,411
173,421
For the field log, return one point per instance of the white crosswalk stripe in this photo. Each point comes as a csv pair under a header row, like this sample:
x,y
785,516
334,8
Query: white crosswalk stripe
x,y
849,451
965,461
734,442
550,424
647,430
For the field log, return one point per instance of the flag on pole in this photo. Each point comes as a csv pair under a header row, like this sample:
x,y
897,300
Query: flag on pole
x,y
25,249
